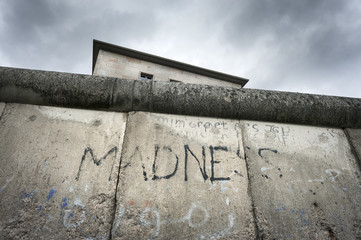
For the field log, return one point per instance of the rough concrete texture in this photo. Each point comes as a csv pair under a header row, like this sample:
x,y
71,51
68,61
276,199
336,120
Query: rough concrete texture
x,y
59,169
253,104
354,136
81,91
305,182
61,89
2,107
182,178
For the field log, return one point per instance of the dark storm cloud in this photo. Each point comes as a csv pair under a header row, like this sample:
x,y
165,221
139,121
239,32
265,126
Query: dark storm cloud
x,y
305,40
58,35
307,46
25,17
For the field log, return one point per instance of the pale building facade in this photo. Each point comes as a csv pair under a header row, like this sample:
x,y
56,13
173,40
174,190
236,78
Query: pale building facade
x,y
115,61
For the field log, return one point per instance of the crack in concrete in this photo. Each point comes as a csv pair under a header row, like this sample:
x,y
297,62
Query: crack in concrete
x,y
257,230
2,112
353,149
114,213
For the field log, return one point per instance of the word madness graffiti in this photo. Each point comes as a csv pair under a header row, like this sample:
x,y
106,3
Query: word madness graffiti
x,y
189,155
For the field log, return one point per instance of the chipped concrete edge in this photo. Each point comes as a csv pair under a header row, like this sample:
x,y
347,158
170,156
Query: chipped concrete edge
x,y
113,94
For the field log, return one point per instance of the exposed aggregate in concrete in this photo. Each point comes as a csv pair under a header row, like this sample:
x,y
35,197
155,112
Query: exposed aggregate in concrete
x,y
93,92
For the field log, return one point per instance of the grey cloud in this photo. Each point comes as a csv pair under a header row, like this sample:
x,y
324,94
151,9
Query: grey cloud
x,y
55,36
309,45
307,42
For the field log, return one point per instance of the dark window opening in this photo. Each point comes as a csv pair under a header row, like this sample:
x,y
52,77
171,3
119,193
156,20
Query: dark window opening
x,y
146,76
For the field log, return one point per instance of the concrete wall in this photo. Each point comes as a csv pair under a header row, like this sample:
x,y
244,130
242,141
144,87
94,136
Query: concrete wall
x,y
305,181
115,65
183,177
69,173
59,170
114,94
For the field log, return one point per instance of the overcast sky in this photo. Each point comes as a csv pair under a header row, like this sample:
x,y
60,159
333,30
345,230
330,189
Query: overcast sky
x,y
310,46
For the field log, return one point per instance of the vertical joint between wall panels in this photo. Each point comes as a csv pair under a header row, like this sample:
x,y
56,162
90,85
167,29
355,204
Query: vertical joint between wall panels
x,y
257,230
2,112
114,213
353,149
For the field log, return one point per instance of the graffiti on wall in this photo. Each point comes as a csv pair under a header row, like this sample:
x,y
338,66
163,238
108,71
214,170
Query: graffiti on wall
x,y
201,157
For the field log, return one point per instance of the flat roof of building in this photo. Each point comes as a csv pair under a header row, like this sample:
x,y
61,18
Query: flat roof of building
x,y
99,45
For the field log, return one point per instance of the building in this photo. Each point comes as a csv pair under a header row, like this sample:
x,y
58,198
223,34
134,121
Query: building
x,y
115,61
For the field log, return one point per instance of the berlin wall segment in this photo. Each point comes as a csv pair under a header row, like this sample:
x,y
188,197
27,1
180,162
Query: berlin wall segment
x,y
182,177
305,181
59,172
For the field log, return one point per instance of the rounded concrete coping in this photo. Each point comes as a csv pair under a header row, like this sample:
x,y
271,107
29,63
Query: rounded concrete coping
x,y
113,94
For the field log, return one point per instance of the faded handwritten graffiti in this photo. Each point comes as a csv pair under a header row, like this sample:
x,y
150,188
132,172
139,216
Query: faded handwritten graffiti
x,y
271,132
199,128
69,215
73,215
67,211
158,221
204,125
8,180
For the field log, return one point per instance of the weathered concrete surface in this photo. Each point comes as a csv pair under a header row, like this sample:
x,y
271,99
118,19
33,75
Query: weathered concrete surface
x,y
62,89
182,178
81,91
59,170
2,107
354,136
305,182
